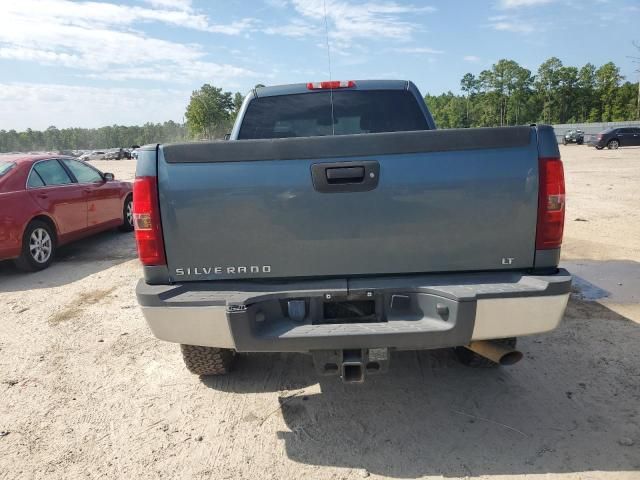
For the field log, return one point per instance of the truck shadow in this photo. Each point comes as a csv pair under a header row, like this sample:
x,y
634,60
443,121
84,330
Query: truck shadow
x,y
570,406
73,262
617,281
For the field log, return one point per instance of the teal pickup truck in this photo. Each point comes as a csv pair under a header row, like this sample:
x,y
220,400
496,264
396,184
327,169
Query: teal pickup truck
x,y
338,221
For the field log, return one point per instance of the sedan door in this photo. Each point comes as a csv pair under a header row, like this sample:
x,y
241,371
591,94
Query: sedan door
x,y
625,136
55,192
103,197
635,136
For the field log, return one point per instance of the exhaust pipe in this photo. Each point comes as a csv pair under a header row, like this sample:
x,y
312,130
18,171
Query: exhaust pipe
x,y
495,352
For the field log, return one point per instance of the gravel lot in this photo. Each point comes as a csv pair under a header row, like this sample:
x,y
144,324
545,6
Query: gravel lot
x,y
86,391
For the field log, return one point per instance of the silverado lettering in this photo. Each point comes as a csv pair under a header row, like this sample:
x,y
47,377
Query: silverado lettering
x,y
222,270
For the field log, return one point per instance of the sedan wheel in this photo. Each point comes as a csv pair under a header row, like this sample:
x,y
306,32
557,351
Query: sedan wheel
x,y
127,215
40,245
613,145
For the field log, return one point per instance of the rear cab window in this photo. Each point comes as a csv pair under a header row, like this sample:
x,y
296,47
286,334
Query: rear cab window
x,y
310,114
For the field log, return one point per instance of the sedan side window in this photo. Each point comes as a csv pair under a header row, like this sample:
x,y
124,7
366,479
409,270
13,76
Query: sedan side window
x,y
83,173
34,180
52,173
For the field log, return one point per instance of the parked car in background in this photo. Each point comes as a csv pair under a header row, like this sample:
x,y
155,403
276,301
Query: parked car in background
x,y
68,153
49,200
613,138
94,155
573,136
117,154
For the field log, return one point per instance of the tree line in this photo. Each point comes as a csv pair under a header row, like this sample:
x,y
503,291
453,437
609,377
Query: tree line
x,y
209,115
509,94
53,138
506,94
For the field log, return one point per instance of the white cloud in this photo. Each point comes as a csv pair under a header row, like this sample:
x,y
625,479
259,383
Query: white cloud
x,y
512,26
174,4
364,20
349,21
89,37
92,14
37,106
471,58
522,3
296,28
419,50
512,23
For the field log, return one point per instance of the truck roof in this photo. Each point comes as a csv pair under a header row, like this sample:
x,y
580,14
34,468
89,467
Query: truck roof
x,y
295,88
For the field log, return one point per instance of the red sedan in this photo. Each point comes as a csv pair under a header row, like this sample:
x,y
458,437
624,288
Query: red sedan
x,y
47,201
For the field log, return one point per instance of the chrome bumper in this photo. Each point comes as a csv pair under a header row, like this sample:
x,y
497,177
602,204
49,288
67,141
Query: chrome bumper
x,y
482,306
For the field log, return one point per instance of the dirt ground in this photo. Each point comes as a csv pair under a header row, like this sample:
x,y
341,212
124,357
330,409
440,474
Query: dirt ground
x,y
87,392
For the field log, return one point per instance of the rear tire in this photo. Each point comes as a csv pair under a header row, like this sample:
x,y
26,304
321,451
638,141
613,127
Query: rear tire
x,y
38,247
208,360
127,215
613,144
472,359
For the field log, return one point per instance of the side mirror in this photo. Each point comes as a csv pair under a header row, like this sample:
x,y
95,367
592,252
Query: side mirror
x,y
227,136
108,176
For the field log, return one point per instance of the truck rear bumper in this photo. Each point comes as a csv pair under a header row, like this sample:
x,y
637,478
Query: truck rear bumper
x,y
408,312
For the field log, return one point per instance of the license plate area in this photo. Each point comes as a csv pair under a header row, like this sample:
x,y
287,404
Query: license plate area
x,y
345,310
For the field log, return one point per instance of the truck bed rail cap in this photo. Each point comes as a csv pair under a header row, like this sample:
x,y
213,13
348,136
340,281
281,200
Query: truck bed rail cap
x,y
369,144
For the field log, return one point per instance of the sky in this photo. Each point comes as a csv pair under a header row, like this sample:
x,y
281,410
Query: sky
x,y
94,63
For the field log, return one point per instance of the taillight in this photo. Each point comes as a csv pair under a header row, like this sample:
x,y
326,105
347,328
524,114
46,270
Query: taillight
x,y
331,85
551,196
146,220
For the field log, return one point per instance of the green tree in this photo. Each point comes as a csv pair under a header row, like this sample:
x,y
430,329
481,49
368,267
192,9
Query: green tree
x,y
520,95
586,94
238,98
608,80
469,85
209,113
546,84
567,94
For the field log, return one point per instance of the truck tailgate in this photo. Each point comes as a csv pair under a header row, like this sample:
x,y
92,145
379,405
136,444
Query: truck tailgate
x,y
458,200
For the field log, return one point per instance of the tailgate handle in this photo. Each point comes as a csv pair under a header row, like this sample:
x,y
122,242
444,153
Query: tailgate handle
x,y
336,177
345,175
